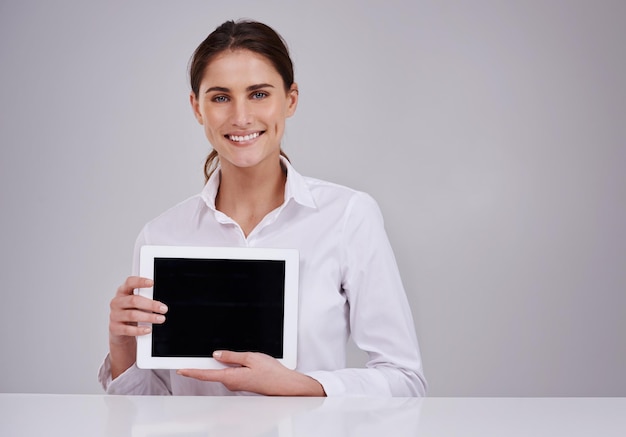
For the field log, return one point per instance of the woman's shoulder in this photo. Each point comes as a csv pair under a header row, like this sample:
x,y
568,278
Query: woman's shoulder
x,y
179,213
324,191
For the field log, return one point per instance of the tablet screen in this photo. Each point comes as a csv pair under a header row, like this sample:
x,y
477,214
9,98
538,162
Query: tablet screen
x,y
219,304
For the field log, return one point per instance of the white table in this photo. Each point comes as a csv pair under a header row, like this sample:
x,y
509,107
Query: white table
x,y
151,416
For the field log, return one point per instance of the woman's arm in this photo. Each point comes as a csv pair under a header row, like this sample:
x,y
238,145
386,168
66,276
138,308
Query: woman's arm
x,y
119,374
127,309
380,318
258,373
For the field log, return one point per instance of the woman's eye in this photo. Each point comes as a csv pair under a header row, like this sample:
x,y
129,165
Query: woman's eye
x,y
259,95
220,99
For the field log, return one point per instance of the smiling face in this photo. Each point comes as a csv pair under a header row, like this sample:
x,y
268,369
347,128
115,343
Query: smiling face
x,y
242,105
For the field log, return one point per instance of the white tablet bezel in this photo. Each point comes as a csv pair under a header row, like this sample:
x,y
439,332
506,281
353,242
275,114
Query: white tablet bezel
x,y
148,253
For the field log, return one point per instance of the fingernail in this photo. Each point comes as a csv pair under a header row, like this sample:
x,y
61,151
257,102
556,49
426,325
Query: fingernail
x,y
147,329
163,308
148,282
217,354
160,318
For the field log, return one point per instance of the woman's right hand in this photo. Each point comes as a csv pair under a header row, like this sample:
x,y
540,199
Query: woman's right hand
x,y
127,309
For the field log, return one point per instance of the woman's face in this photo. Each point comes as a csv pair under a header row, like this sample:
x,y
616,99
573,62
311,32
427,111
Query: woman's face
x,y
243,105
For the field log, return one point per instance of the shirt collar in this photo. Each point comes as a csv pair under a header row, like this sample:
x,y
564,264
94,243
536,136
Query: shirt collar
x,y
296,187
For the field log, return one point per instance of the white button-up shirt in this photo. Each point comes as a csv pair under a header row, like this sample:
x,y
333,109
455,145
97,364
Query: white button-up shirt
x,y
349,285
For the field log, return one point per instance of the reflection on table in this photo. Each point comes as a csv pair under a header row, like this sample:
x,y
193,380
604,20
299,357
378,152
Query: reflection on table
x,y
153,416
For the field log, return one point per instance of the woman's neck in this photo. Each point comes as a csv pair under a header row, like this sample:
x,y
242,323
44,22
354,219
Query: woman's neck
x,y
248,194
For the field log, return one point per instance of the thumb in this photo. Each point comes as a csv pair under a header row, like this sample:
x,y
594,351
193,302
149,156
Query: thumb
x,y
230,357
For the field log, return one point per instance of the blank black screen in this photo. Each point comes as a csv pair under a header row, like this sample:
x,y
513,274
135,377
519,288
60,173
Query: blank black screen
x,y
219,304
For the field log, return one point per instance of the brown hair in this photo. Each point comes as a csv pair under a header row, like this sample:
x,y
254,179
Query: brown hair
x,y
241,35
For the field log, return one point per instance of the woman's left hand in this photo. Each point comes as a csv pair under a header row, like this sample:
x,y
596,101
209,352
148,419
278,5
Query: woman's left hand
x,y
258,373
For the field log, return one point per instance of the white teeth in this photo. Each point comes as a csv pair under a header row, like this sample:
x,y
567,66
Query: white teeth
x,y
239,138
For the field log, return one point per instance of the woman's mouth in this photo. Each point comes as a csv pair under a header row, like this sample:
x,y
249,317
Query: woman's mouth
x,y
244,138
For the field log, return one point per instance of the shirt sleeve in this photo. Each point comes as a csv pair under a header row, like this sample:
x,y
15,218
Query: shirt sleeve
x,y
380,317
134,381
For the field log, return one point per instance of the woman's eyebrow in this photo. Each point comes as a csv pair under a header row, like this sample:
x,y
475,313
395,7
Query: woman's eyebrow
x,y
255,87
259,86
217,88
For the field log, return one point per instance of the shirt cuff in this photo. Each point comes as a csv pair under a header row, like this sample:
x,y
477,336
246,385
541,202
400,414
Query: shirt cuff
x,y
104,373
126,383
332,384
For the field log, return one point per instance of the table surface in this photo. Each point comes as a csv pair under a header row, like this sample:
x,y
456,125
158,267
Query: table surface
x,y
161,416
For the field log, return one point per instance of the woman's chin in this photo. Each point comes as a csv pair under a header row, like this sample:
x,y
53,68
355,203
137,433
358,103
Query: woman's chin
x,y
249,158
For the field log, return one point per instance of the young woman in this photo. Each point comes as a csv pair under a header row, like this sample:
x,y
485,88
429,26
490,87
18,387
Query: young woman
x,y
242,92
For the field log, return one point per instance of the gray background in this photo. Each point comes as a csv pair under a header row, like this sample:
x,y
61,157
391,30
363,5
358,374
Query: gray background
x,y
491,133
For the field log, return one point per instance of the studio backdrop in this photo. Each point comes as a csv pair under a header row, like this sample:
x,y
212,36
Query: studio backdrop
x,y
491,133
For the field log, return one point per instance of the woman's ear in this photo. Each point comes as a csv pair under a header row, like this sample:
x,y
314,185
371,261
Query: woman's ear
x,y
292,97
195,106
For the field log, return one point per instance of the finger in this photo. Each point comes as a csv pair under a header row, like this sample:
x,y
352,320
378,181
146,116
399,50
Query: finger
x,y
135,301
133,282
144,303
134,316
230,357
213,375
125,330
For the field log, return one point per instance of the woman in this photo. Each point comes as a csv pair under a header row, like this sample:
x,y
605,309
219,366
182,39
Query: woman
x,y
242,92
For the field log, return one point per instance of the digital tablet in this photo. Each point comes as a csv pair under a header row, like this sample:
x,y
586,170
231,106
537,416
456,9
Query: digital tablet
x,y
232,298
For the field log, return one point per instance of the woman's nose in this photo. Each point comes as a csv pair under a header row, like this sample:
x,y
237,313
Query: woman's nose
x,y
242,115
